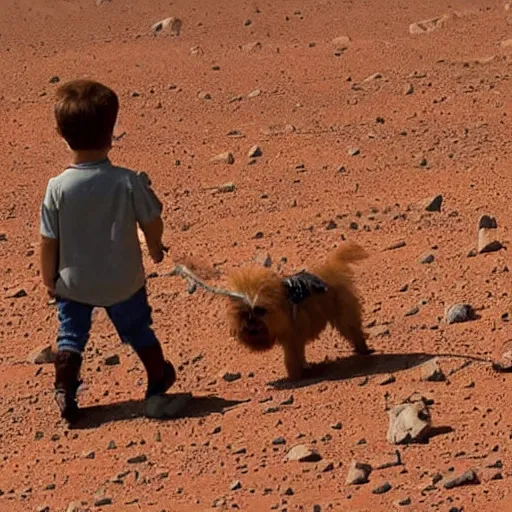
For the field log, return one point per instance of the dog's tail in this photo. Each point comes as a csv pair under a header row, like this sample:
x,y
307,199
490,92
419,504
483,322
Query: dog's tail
x,y
348,253
339,260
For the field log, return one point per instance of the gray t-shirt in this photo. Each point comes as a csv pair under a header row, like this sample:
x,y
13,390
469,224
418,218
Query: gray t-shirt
x,y
93,210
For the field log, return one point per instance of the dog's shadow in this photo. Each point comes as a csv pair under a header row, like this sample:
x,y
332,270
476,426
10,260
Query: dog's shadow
x,y
354,366
198,406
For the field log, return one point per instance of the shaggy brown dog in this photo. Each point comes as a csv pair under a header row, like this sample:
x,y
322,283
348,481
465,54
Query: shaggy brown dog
x,y
266,309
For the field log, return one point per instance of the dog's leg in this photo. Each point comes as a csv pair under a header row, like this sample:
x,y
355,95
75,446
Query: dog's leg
x,y
357,339
294,358
353,332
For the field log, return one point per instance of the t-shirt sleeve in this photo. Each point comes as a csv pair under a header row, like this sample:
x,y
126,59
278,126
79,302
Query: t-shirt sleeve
x,y
49,214
147,205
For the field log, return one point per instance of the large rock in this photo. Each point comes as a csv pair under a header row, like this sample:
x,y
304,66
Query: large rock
x,y
408,423
358,473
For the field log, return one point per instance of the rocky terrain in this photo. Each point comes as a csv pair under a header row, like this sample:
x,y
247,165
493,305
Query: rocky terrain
x,y
273,131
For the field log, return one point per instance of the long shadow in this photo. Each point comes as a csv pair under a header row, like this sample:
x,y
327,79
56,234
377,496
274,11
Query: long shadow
x,y
97,415
355,366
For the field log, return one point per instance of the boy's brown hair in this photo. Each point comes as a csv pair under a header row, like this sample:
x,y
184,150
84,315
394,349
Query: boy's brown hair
x,y
86,113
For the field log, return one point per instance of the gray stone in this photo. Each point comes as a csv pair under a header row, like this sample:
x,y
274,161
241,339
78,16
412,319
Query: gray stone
x,y
466,478
426,259
226,187
408,423
167,406
101,502
138,459
231,377
382,489
459,313
358,473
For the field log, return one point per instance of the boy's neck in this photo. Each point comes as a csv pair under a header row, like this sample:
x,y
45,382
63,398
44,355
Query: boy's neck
x,y
89,155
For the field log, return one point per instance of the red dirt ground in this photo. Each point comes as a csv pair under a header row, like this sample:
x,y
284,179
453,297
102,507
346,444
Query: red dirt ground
x,y
457,119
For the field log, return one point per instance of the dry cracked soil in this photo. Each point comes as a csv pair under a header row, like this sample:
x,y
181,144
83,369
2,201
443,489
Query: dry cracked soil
x,y
363,112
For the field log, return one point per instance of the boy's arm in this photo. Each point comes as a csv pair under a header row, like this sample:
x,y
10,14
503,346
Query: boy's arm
x,y
49,260
153,231
49,248
148,211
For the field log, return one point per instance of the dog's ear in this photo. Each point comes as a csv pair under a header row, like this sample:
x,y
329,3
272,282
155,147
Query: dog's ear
x,y
302,285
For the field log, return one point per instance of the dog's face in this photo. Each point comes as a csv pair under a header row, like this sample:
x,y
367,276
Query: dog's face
x,y
259,321
251,329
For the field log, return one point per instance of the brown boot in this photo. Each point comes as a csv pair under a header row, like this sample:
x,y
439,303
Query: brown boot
x,y
161,373
67,370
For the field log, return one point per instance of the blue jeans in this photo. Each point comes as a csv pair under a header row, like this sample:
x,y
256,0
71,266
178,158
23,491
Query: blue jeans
x,y
131,318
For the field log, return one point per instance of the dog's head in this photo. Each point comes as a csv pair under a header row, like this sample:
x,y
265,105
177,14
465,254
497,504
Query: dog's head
x,y
263,315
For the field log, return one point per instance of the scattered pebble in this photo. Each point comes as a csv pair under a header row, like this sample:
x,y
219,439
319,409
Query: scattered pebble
x,y
42,355
231,377
255,152
382,489
301,453
434,204
468,477
426,259
172,24
112,360
224,158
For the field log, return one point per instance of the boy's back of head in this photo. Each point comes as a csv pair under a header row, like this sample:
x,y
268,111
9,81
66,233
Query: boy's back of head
x,y
86,113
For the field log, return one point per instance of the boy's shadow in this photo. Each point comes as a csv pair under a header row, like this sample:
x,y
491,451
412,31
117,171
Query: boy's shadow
x,y
356,366
97,415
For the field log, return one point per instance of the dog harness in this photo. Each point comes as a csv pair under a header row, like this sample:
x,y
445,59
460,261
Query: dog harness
x,y
302,285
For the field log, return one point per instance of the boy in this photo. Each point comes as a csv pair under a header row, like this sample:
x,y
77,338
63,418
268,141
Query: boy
x,y
90,250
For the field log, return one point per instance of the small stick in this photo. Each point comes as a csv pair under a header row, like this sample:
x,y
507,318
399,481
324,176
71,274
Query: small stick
x,y
194,281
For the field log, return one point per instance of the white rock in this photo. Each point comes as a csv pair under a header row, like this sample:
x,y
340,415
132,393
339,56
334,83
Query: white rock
x,y
172,23
426,26
408,423
358,473
302,453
